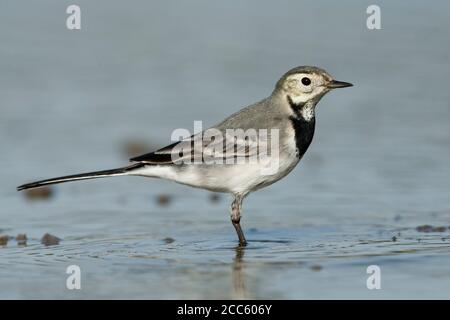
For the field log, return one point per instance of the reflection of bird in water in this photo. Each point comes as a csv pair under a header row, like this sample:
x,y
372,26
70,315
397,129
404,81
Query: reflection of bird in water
x,y
239,287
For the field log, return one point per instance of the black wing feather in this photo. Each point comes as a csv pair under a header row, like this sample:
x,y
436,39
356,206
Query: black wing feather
x,y
161,156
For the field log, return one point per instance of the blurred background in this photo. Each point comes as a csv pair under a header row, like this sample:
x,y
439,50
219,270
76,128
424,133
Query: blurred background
x,y
373,189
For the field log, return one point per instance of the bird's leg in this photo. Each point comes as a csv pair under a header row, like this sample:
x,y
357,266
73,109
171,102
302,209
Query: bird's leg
x,y
236,218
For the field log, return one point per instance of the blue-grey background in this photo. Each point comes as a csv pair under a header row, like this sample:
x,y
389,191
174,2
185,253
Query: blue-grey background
x,y
378,166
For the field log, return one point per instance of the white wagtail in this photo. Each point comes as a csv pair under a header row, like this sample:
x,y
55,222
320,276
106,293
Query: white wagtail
x,y
289,112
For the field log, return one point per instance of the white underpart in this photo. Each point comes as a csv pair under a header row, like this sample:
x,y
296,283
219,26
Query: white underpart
x,y
236,179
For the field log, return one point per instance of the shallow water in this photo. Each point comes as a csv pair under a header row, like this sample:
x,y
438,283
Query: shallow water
x,y
377,169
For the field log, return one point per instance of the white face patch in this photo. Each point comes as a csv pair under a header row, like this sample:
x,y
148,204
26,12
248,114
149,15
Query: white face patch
x,y
300,99
303,87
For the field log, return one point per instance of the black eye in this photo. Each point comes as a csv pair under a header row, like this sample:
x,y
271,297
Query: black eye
x,y
306,81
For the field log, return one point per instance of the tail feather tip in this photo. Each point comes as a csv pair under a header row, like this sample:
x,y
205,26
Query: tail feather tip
x,y
22,187
28,186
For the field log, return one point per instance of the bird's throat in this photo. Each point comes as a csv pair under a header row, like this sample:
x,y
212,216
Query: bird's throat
x,y
303,110
303,122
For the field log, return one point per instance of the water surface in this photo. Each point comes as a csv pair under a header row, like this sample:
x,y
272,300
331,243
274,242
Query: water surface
x,y
377,169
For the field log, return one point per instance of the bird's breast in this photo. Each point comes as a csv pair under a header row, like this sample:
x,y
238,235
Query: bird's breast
x,y
303,131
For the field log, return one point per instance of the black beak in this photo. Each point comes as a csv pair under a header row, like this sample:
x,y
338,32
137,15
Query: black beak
x,y
338,84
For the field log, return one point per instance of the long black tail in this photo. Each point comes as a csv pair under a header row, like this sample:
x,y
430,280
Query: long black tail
x,y
82,176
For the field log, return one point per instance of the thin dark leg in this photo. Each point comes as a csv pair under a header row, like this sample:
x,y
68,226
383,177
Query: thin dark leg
x,y
236,218
240,233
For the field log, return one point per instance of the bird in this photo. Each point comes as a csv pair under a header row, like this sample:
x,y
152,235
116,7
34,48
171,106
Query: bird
x,y
219,160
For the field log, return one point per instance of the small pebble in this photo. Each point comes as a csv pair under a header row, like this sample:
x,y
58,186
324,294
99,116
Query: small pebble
x,y
39,193
428,228
316,267
214,197
49,240
134,148
21,239
4,240
424,228
163,200
168,240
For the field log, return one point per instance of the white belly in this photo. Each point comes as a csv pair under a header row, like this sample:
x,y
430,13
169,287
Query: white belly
x,y
232,178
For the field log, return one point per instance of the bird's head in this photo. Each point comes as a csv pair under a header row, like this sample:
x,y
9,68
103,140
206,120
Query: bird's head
x,y
303,84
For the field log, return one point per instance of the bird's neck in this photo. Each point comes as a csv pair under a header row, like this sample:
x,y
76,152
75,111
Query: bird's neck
x,y
303,122
302,110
